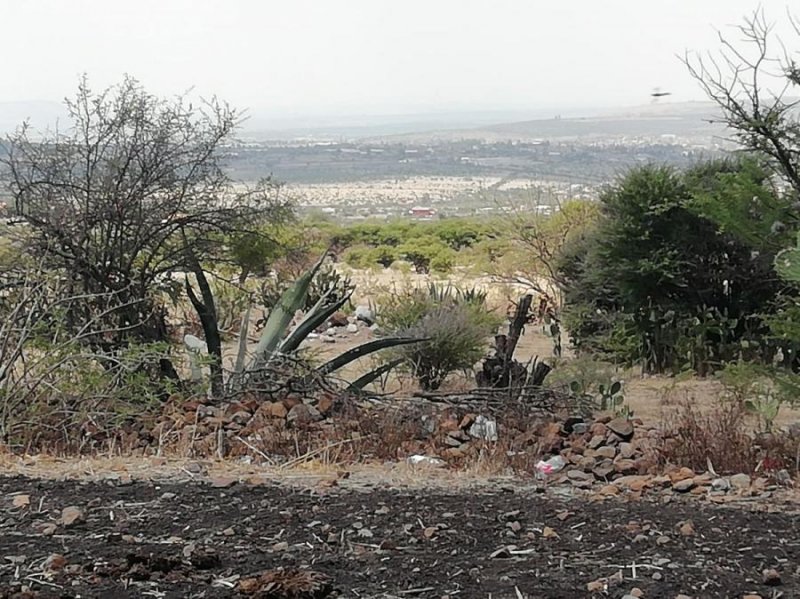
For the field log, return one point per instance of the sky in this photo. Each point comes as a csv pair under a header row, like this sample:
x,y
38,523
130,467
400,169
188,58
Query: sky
x,y
291,58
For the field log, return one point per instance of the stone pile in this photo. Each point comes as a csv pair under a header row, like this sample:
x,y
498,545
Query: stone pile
x,y
602,450
342,326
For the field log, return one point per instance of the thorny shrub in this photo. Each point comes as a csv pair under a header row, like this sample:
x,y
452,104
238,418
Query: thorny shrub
x,y
722,438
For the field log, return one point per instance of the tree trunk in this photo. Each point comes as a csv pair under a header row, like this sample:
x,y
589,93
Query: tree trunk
x,y
207,312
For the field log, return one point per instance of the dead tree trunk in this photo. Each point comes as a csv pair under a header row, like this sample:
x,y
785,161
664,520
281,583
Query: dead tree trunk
x,y
501,370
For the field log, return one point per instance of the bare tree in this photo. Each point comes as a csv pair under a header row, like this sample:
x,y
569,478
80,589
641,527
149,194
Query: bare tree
x,y
131,193
752,81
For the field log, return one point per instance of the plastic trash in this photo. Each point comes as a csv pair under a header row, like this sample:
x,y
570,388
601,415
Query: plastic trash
x,y
550,466
484,428
416,460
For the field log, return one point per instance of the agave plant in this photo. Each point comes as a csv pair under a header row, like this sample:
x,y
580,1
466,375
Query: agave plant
x,y
278,341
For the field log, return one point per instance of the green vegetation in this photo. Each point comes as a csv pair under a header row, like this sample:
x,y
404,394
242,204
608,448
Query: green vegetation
x,y
455,324
658,282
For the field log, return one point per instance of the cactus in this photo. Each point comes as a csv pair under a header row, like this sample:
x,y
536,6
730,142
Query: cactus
x,y
787,263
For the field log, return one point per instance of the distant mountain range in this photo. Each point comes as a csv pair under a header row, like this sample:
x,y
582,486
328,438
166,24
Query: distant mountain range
x,y
698,121
686,120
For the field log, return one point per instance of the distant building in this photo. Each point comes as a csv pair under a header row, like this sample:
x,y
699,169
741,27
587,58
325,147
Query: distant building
x,y
422,212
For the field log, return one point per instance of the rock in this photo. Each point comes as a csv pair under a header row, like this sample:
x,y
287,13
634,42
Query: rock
x,y
596,441
352,328
621,427
609,490
365,314
626,450
603,469
580,479
751,596
325,405
484,428
681,474
339,319
467,421
241,417
331,332
222,482
606,452
633,482
291,401
686,528
327,339
597,586
636,592
579,428
47,529
20,501
275,409
740,481
452,441
549,533
598,429
568,426
454,453
302,413
720,484
626,467
683,486
54,562
578,475
771,577
72,515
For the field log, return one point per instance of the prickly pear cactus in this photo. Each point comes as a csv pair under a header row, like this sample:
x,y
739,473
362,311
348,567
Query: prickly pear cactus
x,y
787,263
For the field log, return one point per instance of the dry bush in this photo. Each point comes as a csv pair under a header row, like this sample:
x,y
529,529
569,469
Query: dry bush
x,y
694,437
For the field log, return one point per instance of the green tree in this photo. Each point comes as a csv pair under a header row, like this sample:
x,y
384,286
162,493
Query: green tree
x,y
659,282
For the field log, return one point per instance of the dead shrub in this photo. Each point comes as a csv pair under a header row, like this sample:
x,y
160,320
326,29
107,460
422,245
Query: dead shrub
x,y
693,438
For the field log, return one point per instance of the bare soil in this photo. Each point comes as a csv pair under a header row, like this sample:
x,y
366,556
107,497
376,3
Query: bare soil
x,y
168,539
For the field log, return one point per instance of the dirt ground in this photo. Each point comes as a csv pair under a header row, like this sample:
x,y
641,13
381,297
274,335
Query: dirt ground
x,y
168,539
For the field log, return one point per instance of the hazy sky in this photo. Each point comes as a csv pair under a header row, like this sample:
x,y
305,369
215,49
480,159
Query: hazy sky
x,y
297,57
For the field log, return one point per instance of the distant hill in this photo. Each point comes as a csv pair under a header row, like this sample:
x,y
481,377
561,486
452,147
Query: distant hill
x,y
687,121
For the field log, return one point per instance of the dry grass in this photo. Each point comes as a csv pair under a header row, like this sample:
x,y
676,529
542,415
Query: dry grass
x,y
696,438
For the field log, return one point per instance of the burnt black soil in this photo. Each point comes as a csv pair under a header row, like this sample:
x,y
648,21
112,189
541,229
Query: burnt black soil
x,y
192,540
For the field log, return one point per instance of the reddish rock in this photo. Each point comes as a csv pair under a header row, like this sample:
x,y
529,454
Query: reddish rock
x,y
338,319
609,490
598,429
621,427
680,474
275,409
467,421
290,402
72,515
626,467
325,405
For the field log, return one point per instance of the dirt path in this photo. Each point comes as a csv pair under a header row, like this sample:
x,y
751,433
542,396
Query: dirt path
x,y
146,539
